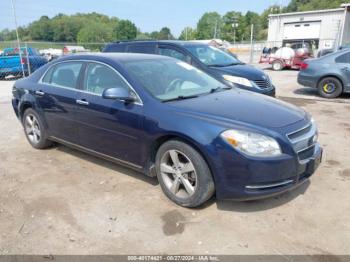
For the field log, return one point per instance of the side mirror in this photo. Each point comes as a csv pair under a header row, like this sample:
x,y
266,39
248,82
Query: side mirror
x,y
118,93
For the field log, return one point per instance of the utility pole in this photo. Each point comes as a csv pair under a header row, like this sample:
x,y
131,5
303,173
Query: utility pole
x,y
251,43
215,29
234,25
18,42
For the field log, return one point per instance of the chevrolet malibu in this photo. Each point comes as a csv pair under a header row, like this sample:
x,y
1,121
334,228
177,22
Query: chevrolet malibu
x,y
165,118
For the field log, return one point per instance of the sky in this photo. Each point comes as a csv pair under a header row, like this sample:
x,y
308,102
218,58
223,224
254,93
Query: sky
x,y
148,15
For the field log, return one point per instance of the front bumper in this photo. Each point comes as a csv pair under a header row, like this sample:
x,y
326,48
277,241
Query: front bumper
x,y
247,179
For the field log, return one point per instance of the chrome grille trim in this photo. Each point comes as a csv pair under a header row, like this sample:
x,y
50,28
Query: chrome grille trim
x,y
303,140
264,83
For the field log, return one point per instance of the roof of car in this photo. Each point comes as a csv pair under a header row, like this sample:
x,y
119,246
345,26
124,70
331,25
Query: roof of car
x,y
117,57
174,42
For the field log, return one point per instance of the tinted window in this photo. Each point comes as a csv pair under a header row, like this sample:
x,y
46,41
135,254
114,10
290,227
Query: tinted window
x,y
143,49
344,58
100,77
167,79
65,74
172,53
48,75
115,48
212,56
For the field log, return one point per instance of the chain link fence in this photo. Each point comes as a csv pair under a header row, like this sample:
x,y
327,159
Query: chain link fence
x,y
16,63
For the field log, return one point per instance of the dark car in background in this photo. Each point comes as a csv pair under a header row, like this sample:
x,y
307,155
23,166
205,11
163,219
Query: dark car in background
x,y
330,74
224,67
166,118
11,61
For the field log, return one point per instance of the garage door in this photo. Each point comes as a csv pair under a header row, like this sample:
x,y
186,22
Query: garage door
x,y
304,30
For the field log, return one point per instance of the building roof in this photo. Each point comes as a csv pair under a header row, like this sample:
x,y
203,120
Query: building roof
x,y
311,12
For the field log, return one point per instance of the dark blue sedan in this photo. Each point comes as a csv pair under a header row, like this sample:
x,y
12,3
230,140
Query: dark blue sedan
x,y
168,119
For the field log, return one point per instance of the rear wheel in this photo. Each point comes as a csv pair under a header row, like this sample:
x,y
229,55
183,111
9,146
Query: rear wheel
x,y
330,87
183,174
34,130
277,65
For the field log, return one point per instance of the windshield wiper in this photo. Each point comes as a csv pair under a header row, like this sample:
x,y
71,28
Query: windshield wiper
x,y
224,65
213,90
179,98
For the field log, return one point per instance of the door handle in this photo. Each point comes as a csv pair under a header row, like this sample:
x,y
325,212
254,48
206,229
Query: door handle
x,y
346,69
82,102
39,93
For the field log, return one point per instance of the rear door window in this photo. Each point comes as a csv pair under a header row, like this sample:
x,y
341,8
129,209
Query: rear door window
x,y
344,58
64,74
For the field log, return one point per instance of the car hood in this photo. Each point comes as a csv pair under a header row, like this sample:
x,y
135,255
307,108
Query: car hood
x,y
243,106
246,71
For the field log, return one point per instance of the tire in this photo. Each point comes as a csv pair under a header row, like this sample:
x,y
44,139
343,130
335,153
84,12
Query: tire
x,y
330,87
34,130
277,65
187,189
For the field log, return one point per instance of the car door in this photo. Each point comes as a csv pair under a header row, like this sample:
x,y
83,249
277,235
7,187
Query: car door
x,y
56,96
109,127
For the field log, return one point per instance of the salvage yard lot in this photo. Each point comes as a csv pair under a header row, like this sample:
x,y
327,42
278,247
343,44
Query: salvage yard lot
x,y
62,201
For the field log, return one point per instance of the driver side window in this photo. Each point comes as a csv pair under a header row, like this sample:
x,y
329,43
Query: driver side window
x,y
100,77
172,53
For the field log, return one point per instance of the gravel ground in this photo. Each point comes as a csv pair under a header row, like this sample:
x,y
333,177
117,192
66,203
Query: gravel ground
x,y
61,201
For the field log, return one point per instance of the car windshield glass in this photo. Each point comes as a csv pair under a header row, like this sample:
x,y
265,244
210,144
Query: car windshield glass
x,y
172,80
212,56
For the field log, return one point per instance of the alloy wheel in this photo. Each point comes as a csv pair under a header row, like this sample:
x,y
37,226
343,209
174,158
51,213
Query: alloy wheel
x,y
32,129
178,173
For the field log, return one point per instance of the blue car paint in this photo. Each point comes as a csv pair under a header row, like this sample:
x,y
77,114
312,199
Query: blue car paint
x,y
132,132
11,65
240,70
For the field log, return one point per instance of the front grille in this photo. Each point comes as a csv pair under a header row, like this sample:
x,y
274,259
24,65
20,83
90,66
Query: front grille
x,y
303,141
264,83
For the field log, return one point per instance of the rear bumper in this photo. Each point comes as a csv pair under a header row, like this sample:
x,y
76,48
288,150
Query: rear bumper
x,y
254,179
307,80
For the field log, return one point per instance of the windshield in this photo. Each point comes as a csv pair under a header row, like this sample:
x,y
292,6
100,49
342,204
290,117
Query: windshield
x,y
168,79
212,56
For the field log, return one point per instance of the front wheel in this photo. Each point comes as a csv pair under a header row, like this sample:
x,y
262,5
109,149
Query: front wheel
x,y
183,174
330,87
34,130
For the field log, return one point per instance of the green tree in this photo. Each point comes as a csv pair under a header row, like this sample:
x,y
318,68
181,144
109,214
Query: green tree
x,y
94,32
165,34
209,26
41,29
188,33
125,30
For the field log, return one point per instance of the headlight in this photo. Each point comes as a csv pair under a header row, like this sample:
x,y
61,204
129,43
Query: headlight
x,y
252,144
238,80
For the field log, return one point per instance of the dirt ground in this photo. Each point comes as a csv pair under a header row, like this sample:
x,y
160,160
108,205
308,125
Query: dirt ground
x,y
62,201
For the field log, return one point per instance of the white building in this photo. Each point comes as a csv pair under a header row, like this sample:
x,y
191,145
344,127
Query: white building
x,y
322,28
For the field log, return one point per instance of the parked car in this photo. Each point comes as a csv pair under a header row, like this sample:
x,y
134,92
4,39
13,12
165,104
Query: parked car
x,y
74,49
166,118
222,66
11,63
330,74
327,51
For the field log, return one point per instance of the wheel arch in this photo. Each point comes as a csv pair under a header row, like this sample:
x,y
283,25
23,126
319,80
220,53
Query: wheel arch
x,y
167,137
333,76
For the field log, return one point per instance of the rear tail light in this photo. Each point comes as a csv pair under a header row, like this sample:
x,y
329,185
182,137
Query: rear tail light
x,y
303,66
23,60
